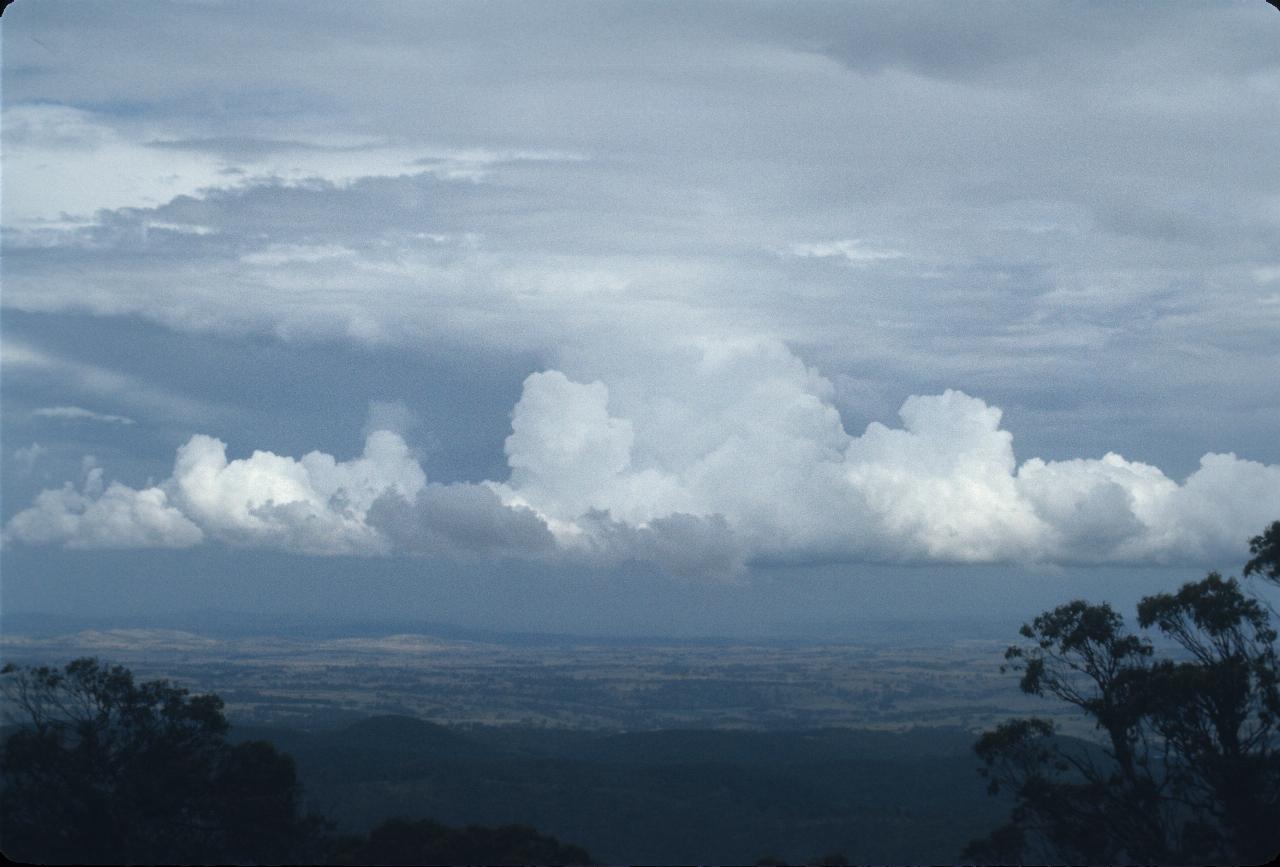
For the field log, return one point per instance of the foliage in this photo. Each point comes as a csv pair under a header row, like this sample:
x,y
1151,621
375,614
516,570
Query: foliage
x,y
400,841
1266,554
107,770
1188,768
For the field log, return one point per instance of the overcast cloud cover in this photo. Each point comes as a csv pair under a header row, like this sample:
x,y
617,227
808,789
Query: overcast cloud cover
x,y
711,287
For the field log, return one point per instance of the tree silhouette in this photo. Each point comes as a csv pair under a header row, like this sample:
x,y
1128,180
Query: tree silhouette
x,y
1188,769
1266,554
107,770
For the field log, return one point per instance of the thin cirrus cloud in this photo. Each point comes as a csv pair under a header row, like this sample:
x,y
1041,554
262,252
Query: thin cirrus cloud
x,y
24,360
785,485
852,250
62,164
79,413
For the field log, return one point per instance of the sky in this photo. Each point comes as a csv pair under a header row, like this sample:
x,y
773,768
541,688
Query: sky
x,y
697,318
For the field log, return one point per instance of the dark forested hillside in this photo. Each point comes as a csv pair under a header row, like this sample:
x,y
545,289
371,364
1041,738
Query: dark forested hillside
x,y
666,796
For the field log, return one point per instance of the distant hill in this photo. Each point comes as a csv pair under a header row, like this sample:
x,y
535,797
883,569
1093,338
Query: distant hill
x,y
662,796
674,746
379,748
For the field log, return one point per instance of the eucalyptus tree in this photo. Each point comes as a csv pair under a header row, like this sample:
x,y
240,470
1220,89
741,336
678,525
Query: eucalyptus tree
x,y
1186,767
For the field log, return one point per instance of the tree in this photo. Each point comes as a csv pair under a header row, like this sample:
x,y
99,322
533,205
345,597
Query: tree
x,y
104,769
1265,549
1187,768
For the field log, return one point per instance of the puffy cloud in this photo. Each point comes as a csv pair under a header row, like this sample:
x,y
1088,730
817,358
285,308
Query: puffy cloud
x,y
716,455
1094,509
313,505
943,485
114,517
565,448
745,433
1205,514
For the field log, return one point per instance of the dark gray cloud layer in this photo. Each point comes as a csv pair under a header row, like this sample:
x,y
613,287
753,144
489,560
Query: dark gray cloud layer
x,y
460,520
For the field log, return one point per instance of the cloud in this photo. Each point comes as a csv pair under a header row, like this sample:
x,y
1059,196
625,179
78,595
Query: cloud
x,y
715,456
314,505
1000,156
943,484
853,250
564,446
27,456
95,518
967,207
22,359
460,520
389,415
691,547
78,413
294,254
63,164
749,436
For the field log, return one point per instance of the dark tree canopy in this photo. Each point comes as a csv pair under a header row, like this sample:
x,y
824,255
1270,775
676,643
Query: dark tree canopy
x,y
104,769
1188,770
1266,554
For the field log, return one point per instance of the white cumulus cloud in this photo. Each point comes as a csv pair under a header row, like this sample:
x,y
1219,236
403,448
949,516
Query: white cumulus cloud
x,y
314,504
745,432
115,517
714,456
